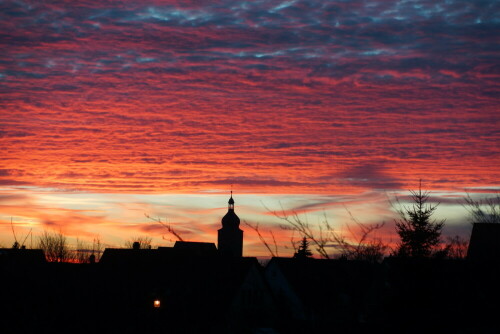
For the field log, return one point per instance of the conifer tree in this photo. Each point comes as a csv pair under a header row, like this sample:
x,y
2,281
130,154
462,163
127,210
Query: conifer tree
x,y
419,234
303,252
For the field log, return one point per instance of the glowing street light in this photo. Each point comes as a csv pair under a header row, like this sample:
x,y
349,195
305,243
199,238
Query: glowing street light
x,y
156,303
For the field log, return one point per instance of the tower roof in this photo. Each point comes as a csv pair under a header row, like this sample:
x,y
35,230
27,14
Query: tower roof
x,y
230,220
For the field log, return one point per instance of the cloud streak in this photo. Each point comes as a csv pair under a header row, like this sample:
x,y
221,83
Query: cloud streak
x,y
271,96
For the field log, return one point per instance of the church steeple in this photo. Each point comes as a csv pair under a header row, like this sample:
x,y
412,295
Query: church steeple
x,y
230,237
230,220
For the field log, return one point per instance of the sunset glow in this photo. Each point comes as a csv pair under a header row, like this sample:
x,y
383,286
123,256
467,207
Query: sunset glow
x,y
110,110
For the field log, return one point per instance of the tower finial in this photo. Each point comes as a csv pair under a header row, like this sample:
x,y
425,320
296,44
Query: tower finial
x,y
231,200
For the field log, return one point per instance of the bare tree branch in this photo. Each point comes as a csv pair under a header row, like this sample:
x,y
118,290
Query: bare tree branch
x,y
486,210
274,243
323,236
169,228
295,223
294,242
263,240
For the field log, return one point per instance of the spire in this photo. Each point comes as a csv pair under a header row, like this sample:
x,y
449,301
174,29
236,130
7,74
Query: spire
x,y
231,202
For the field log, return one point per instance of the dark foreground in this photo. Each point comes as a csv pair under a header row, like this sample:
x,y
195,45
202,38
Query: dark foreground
x,y
214,294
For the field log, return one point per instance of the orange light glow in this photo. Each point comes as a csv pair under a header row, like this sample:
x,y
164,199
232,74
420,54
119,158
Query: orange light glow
x,y
156,303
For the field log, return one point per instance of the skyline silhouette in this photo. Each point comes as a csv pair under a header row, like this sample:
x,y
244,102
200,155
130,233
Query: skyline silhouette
x,y
249,167
192,287
364,241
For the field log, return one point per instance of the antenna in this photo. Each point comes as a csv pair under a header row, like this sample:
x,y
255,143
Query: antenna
x,y
27,235
13,232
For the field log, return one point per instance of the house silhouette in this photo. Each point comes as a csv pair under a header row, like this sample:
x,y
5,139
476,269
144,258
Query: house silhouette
x,y
484,242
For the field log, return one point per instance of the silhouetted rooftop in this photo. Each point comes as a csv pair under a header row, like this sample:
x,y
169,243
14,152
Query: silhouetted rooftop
x,y
484,242
196,248
21,256
145,257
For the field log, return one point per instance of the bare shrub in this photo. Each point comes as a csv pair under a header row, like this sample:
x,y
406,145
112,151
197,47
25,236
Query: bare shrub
x,y
144,242
55,247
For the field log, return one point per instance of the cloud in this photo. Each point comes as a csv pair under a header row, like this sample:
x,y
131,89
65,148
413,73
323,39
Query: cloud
x,y
371,176
281,96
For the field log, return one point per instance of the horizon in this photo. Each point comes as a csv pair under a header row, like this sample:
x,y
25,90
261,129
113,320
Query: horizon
x,y
202,222
113,110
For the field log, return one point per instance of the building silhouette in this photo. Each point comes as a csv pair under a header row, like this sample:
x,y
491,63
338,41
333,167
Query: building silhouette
x,y
230,236
484,242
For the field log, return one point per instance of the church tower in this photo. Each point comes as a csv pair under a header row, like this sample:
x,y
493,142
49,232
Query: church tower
x,y
230,237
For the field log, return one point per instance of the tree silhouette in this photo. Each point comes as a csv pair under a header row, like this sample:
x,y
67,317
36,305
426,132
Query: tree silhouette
x,y
139,242
55,247
486,210
419,234
255,227
303,252
322,236
456,247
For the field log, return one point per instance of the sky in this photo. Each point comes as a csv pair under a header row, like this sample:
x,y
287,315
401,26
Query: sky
x,y
110,110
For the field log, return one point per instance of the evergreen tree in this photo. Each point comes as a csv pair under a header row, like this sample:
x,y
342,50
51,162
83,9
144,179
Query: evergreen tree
x,y
303,252
419,234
